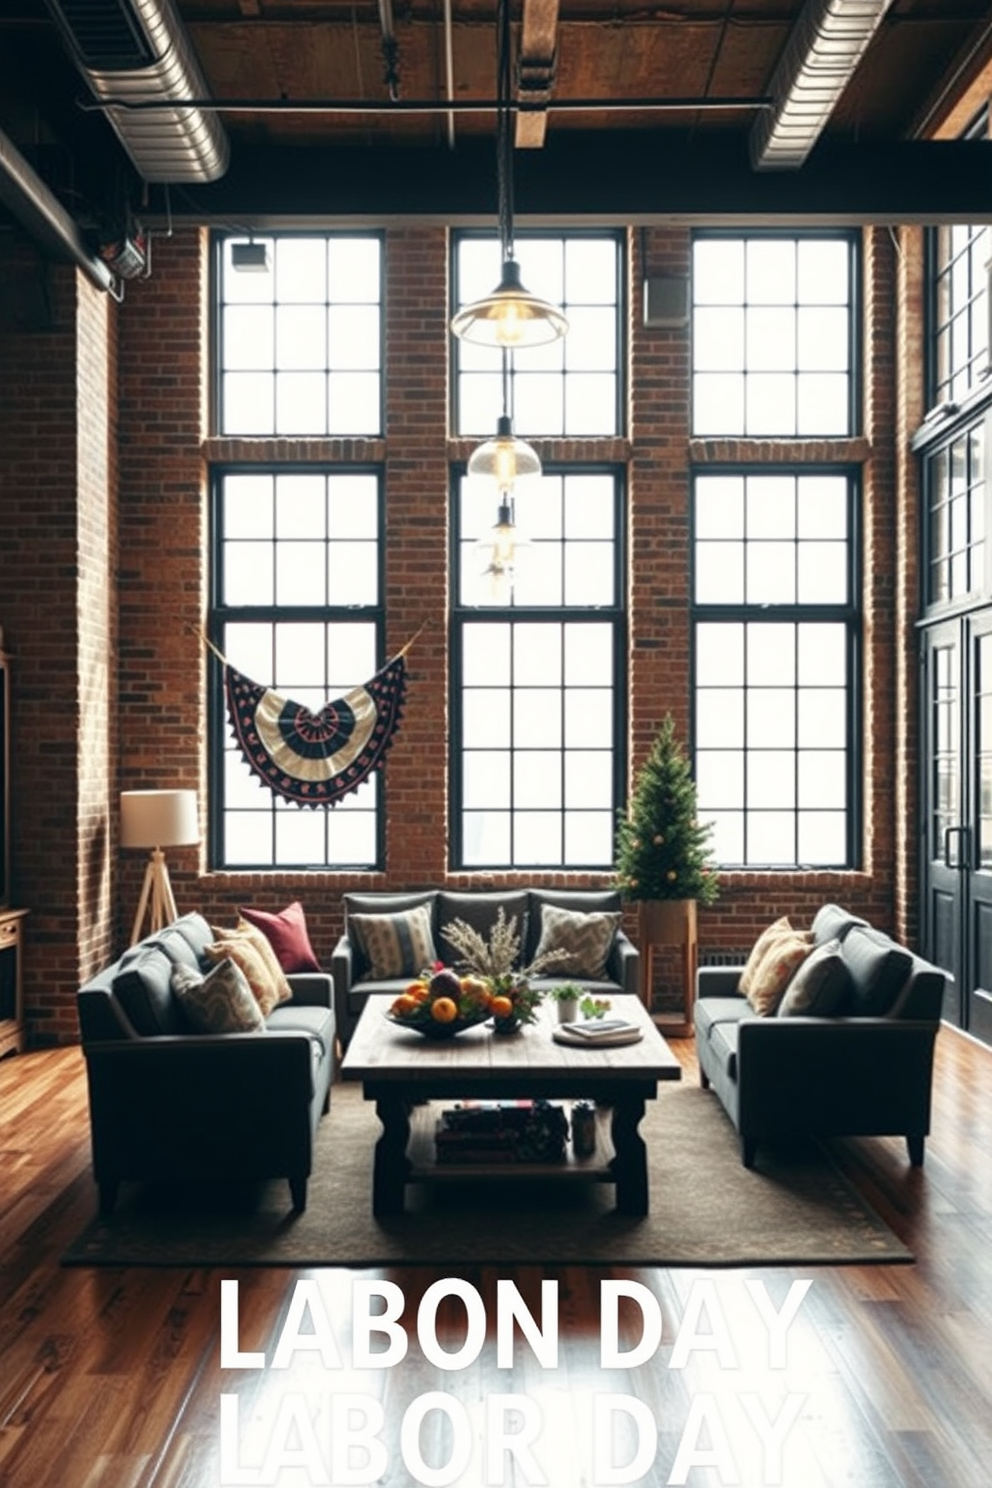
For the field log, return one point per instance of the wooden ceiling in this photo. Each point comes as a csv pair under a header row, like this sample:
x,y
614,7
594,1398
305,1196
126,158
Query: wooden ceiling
x,y
384,104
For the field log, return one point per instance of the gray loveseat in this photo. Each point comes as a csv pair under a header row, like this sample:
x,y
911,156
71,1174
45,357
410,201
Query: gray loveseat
x,y
170,1103
863,1070
350,966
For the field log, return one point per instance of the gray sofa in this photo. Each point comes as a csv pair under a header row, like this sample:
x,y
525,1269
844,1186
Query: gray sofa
x,y
170,1103
863,1070
350,968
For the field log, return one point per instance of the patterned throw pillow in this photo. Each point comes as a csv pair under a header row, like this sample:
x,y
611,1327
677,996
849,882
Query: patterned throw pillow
x,y
287,934
759,950
262,946
220,1002
259,973
397,945
784,954
820,987
586,938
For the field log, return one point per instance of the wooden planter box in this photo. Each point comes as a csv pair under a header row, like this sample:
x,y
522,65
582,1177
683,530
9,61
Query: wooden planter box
x,y
669,922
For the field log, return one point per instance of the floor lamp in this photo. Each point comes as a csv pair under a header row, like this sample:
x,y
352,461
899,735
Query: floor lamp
x,y
157,819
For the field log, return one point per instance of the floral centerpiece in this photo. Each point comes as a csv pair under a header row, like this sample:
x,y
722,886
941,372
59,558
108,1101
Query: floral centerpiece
x,y
513,1000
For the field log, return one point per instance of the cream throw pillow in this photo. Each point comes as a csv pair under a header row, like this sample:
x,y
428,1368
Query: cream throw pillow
x,y
783,953
396,945
250,950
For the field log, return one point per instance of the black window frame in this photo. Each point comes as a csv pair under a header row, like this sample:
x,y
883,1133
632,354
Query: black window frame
x,y
219,615
851,615
617,236
459,615
855,391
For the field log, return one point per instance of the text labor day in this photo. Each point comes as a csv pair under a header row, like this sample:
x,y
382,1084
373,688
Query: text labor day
x,y
336,1440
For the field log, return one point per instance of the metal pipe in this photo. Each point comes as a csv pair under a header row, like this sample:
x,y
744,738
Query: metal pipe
x,y
27,197
431,106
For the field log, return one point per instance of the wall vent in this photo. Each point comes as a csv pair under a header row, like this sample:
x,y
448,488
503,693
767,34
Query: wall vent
x,y
104,34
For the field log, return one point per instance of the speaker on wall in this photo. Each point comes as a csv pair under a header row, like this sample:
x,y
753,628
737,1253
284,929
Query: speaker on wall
x,y
666,300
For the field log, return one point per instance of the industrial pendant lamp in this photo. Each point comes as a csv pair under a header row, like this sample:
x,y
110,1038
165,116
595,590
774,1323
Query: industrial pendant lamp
x,y
510,316
505,459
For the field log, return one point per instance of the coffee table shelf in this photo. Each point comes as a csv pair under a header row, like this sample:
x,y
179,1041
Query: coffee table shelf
x,y
402,1073
425,1167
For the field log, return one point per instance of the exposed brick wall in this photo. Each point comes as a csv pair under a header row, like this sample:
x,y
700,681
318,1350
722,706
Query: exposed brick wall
x,y
64,536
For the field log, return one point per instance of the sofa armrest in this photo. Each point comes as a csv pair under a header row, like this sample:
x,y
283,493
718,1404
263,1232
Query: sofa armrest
x,y
623,964
312,988
342,973
717,981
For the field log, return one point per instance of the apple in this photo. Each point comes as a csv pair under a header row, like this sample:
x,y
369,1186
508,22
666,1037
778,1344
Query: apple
x,y
446,983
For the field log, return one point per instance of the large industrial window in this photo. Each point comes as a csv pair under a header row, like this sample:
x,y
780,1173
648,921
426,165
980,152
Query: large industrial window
x,y
573,386
773,338
956,517
296,606
299,335
538,677
776,633
960,310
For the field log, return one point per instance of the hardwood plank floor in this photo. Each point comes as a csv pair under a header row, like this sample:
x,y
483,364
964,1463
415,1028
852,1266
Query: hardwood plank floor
x,y
113,1378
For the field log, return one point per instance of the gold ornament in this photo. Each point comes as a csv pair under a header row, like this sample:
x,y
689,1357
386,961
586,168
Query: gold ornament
x,y
671,875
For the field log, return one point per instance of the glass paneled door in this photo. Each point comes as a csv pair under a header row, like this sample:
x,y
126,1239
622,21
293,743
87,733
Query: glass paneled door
x,y
957,815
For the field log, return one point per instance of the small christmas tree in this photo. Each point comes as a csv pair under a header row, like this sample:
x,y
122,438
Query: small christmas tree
x,y
661,847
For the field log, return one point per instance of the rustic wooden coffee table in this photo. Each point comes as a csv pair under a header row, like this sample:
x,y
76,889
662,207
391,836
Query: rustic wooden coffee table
x,y
400,1070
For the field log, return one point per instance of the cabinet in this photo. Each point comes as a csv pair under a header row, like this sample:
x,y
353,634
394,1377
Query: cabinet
x,y
11,941
11,984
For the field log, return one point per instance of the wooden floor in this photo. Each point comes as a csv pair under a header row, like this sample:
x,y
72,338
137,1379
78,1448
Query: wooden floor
x,y
113,1378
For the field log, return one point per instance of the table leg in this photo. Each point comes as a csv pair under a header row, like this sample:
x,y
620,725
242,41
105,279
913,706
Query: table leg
x,y
391,1165
630,1164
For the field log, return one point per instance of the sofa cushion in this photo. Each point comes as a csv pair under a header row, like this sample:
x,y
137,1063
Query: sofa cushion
x,y
220,1001
832,923
316,1022
287,933
143,987
581,901
821,986
878,969
709,1011
480,911
769,973
584,940
395,945
265,976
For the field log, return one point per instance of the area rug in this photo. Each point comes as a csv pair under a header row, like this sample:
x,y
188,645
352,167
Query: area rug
x,y
706,1209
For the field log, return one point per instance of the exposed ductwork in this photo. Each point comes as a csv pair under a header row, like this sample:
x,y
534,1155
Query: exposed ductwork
x,y
28,199
139,52
822,53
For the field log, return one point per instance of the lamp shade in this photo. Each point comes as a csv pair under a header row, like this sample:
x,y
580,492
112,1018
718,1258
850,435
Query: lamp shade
x,y
511,316
159,818
506,458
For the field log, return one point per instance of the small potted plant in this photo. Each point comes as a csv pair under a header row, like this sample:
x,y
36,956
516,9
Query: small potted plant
x,y
567,996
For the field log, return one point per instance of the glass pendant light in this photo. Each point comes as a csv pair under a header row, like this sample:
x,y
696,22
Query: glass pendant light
x,y
510,316
505,459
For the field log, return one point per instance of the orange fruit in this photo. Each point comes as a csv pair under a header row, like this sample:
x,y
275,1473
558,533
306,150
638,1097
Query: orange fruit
x,y
444,1009
415,989
403,1005
501,1007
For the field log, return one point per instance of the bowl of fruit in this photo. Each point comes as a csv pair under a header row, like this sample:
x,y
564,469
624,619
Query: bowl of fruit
x,y
441,1004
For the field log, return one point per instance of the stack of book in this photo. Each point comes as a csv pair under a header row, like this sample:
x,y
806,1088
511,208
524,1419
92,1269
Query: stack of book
x,y
598,1032
501,1132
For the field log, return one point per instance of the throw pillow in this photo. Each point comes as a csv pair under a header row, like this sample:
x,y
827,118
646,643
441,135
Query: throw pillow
x,y
266,977
220,1002
784,954
287,933
820,986
397,945
586,940
759,950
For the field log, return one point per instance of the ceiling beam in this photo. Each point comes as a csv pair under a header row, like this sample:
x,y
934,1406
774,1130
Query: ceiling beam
x,y
536,71
627,178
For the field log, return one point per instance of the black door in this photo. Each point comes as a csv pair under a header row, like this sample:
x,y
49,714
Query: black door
x,y
957,815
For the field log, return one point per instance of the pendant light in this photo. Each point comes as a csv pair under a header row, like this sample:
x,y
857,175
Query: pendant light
x,y
510,316
505,460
